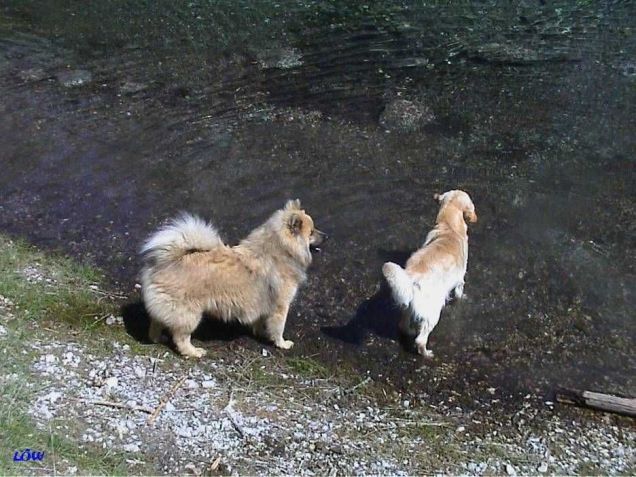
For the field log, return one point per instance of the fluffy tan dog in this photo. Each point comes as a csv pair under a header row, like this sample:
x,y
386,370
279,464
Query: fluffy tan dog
x,y
434,270
188,270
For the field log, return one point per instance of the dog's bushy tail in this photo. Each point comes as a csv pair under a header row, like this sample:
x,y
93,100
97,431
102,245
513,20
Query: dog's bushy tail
x,y
182,235
400,282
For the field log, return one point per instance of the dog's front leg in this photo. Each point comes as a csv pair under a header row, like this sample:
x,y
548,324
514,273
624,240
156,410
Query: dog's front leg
x,y
276,327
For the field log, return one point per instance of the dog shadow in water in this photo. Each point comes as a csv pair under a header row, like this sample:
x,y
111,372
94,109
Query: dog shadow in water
x,y
378,315
137,323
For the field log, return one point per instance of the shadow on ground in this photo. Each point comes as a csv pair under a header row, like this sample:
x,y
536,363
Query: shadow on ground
x,y
137,324
377,315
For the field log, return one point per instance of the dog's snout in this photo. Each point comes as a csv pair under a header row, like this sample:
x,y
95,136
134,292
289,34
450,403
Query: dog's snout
x,y
318,237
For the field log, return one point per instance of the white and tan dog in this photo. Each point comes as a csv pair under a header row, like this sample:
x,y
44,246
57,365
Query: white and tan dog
x,y
188,271
435,270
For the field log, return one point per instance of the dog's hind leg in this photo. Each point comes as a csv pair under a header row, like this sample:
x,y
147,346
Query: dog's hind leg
x,y
154,332
181,337
422,340
406,325
182,342
426,326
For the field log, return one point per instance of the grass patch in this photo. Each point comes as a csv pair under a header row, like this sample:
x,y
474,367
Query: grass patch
x,y
45,287
307,367
37,288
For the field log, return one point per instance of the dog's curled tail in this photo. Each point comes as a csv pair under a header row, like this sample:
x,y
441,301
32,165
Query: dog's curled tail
x,y
182,235
400,282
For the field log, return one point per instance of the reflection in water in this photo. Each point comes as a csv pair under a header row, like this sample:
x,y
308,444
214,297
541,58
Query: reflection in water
x,y
115,116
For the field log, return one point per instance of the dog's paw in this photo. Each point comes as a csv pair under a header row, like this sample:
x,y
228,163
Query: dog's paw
x,y
285,344
427,353
196,353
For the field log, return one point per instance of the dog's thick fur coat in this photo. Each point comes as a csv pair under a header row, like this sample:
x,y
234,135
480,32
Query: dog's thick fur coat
x,y
188,271
432,272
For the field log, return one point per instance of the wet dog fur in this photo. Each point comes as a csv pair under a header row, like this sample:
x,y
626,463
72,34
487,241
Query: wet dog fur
x,y
435,270
188,270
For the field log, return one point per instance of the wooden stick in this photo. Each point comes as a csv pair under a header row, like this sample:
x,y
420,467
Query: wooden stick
x,y
594,400
117,405
229,411
164,400
215,464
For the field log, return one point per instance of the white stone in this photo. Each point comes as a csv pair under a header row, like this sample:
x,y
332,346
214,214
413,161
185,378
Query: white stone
x,y
131,448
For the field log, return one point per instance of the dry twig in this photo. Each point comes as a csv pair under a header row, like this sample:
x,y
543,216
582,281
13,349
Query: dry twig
x,y
164,400
117,405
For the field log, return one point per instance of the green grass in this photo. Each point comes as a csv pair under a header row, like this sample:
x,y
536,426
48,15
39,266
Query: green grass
x,y
19,432
71,295
70,301
307,367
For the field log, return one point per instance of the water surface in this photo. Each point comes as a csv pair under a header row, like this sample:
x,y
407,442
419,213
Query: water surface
x,y
115,116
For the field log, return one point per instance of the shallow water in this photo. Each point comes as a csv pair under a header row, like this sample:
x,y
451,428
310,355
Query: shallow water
x,y
114,117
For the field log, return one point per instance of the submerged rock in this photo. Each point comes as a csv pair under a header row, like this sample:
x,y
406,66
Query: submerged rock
x,y
279,58
74,78
405,116
132,87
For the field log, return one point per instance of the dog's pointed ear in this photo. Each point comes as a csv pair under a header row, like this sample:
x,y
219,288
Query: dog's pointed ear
x,y
293,204
295,223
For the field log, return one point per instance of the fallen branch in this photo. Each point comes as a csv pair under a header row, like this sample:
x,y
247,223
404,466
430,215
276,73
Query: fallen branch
x,y
164,400
215,465
593,400
231,414
117,405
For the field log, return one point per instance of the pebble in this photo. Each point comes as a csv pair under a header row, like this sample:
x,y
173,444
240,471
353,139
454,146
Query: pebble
x,y
3,330
199,418
131,448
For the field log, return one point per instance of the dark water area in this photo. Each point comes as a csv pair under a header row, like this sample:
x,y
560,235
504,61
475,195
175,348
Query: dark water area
x,y
116,115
